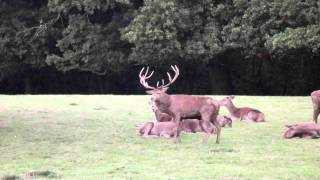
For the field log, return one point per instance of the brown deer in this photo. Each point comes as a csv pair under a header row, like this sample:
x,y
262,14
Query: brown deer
x,y
315,97
160,117
182,106
167,129
243,113
157,129
224,120
302,130
163,117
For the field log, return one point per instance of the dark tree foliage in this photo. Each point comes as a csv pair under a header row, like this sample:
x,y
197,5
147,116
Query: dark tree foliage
x,y
221,46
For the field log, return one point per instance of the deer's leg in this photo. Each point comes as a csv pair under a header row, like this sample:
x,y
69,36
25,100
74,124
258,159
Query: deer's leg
x,y
177,128
316,107
207,129
165,134
218,127
315,115
146,129
289,134
207,126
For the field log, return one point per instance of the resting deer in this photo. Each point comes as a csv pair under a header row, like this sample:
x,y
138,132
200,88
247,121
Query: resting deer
x,y
315,97
160,117
302,130
166,129
182,106
224,120
243,113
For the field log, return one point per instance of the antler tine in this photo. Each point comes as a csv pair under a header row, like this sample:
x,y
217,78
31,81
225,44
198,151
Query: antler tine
x,y
175,68
143,76
141,71
171,80
147,77
157,83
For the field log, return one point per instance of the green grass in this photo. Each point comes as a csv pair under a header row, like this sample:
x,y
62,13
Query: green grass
x,y
95,137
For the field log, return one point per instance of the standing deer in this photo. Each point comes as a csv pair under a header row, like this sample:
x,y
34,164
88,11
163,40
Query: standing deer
x,y
182,106
315,97
243,113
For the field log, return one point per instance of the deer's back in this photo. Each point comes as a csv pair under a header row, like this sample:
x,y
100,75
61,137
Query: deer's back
x,y
163,127
246,110
188,104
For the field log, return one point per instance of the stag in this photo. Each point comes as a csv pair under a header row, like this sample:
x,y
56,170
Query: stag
x,y
182,106
243,113
315,97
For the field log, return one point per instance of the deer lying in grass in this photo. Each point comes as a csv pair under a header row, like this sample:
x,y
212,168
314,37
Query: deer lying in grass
x,y
315,97
182,106
160,117
224,120
167,129
243,113
302,130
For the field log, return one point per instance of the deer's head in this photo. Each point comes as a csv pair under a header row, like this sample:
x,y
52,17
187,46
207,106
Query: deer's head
x,y
158,93
226,101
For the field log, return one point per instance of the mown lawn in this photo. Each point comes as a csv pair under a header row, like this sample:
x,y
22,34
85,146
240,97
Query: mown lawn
x,y
95,137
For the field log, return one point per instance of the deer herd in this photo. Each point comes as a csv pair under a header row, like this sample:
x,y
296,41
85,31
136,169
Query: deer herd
x,y
191,114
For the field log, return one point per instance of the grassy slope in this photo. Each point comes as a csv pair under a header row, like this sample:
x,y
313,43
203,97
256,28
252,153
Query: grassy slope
x,y
94,137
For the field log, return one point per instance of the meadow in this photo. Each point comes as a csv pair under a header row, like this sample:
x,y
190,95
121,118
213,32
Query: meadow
x,y
95,137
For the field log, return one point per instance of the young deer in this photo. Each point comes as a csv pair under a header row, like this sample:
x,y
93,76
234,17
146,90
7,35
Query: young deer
x,y
315,97
243,113
182,106
224,120
160,117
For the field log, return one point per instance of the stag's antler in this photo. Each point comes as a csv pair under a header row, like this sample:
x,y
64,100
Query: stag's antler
x,y
145,76
171,80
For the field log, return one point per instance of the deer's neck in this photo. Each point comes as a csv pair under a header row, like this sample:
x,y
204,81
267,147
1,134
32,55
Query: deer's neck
x,y
158,114
232,108
163,103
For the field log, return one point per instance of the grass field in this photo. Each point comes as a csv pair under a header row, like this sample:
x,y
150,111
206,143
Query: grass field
x,y
95,137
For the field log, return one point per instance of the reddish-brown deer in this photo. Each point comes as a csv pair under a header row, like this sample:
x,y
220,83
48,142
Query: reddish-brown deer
x,y
315,97
166,129
160,117
243,113
224,120
182,106
302,130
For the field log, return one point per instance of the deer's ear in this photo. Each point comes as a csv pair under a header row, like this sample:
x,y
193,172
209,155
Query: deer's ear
x,y
150,92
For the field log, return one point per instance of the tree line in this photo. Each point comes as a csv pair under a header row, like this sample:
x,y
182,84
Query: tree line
x,y
257,47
